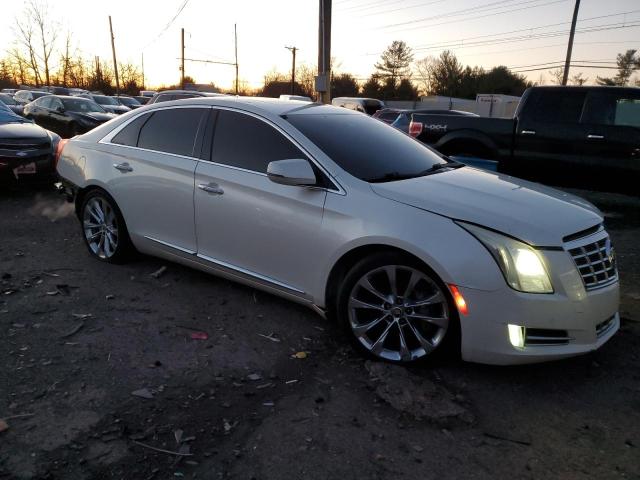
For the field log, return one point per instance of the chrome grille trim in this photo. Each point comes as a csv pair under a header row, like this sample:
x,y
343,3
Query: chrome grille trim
x,y
594,257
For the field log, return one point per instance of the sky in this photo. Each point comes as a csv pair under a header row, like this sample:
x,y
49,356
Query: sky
x,y
522,34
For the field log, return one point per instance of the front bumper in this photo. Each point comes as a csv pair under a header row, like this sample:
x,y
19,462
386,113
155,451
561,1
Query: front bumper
x,y
579,315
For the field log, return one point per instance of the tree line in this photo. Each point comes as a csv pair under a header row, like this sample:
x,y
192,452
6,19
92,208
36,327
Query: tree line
x,y
38,56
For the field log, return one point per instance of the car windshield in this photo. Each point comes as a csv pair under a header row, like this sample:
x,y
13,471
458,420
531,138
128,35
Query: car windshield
x,y
7,99
129,101
367,148
7,116
104,100
81,105
39,94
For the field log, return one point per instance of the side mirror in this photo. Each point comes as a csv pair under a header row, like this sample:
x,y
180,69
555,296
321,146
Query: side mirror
x,y
59,109
295,171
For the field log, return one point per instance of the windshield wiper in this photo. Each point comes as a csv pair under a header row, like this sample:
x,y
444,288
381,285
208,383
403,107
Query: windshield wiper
x,y
440,166
393,176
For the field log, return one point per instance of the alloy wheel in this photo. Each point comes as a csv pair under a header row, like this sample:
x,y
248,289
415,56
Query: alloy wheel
x,y
100,226
398,313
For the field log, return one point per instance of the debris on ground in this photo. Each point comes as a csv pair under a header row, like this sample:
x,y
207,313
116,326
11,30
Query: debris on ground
x,y
3,426
143,393
271,337
199,336
254,377
73,331
300,355
158,273
415,395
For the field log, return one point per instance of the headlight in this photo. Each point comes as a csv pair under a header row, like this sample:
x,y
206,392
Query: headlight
x,y
522,266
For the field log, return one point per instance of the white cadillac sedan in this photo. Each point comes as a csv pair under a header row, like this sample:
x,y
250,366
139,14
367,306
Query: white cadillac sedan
x,y
411,252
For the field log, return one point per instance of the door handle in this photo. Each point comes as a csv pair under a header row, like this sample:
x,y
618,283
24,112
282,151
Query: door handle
x,y
123,167
211,188
528,132
595,137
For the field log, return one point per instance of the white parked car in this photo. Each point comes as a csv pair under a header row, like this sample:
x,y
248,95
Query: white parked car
x,y
411,252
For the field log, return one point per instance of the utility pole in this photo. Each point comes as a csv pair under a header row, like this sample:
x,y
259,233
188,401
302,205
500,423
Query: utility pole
x,y
570,46
323,80
115,63
143,70
182,60
293,50
235,34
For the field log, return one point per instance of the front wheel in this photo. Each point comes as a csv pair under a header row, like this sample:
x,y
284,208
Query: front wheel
x,y
394,308
103,228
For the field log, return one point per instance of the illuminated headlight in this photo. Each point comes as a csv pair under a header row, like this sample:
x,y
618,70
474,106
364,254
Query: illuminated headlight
x,y
522,266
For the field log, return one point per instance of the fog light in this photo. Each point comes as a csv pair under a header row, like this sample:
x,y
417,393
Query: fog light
x,y
516,335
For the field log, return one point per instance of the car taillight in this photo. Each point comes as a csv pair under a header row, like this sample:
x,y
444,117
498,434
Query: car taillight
x,y
59,148
415,128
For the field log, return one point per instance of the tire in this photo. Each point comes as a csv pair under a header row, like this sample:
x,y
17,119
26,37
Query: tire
x,y
74,130
103,228
402,324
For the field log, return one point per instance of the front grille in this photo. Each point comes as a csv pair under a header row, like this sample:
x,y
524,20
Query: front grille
x,y
603,327
596,263
545,336
24,144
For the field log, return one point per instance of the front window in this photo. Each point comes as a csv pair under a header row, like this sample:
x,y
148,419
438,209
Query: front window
x,y
612,108
82,105
366,148
104,100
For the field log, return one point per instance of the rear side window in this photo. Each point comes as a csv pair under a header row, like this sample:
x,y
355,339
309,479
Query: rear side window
x,y
172,131
129,134
244,141
559,106
612,108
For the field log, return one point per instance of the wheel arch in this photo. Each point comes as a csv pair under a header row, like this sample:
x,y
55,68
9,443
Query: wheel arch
x,y
351,257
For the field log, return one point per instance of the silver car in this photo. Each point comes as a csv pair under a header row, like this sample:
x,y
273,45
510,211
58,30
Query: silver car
x,y
411,252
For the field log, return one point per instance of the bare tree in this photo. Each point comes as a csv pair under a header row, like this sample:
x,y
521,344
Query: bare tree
x,y
578,79
556,75
25,38
423,74
66,60
39,13
19,66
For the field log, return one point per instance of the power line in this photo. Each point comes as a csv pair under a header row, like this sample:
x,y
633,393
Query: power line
x,y
166,27
403,8
482,16
466,11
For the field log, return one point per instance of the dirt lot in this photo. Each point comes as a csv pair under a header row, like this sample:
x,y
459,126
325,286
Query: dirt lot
x,y
100,368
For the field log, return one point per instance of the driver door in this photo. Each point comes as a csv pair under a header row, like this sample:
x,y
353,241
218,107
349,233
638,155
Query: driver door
x,y
245,222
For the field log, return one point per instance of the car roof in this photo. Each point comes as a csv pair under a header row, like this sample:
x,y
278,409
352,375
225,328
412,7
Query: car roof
x,y
273,106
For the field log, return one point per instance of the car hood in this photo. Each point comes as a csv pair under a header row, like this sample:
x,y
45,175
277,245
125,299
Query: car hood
x,y
116,108
22,130
99,116
536,214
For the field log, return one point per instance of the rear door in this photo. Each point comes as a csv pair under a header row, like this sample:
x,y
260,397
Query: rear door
x,y
549,133
152,170
611,143
244,221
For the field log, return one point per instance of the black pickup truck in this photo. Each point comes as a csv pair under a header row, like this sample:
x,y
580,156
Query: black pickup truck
x,y
582,134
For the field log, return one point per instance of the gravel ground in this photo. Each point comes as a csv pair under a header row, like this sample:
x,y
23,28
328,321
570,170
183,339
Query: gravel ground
x,y
110,372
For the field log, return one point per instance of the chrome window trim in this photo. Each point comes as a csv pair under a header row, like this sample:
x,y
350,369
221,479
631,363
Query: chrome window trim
x,y
106,140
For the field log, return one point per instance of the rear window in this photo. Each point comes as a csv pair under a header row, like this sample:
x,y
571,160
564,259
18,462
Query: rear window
x,y
364,147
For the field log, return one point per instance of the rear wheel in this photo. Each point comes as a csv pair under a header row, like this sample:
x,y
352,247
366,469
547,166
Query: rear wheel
x,y
103,228
394,308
